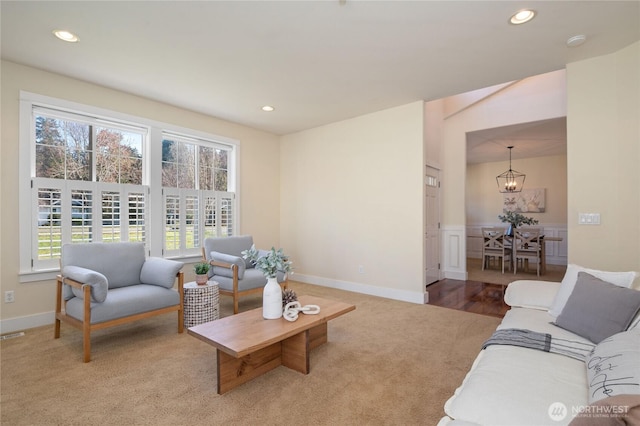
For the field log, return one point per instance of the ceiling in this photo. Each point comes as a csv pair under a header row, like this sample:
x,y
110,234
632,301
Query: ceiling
x,y
536,139
316,62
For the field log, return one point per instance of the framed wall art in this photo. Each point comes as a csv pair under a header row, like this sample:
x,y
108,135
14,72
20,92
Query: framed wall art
x,y
526,201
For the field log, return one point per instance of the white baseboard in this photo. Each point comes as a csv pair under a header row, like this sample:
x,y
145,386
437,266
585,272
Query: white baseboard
x,y
12,325
388,293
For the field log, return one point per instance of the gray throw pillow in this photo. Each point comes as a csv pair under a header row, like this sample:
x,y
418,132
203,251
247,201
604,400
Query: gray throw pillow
x,y
622,279
597,309
97,281
227,258
160,272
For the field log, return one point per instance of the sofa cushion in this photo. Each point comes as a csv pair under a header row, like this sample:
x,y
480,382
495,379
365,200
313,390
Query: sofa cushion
x,y
486,396
125,301
597,309
622,279
159,271
121,263
509,385
613,367
97,281
227,258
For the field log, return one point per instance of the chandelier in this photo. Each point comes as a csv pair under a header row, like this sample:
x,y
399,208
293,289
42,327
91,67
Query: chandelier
x,y
511,180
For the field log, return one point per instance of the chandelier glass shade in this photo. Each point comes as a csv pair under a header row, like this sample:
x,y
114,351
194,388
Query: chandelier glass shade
x,y
511,180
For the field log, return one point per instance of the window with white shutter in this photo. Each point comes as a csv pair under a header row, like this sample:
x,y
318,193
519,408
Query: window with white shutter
x,y
92,180
197,201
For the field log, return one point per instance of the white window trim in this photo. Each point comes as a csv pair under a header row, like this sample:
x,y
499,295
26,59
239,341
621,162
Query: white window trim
x,y
154,174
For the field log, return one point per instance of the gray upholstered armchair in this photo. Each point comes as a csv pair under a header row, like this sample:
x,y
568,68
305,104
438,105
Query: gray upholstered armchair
x,y
235,276
106,284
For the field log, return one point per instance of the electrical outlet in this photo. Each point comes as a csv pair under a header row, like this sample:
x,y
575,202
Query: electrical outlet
x,y
361,269
9,297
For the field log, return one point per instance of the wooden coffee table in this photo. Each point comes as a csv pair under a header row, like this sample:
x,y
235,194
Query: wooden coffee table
x,y
248,346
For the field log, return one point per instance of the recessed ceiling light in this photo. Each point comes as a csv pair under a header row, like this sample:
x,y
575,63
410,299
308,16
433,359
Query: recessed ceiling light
x,y
268,108
66,36
522,16
576,40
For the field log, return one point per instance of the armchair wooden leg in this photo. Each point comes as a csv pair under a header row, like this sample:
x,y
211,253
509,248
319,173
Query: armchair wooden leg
x,y
235,305
86,325
56,331
181,308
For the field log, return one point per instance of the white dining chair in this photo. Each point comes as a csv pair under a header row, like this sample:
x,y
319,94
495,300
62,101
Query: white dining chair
x,y
494,245
527,245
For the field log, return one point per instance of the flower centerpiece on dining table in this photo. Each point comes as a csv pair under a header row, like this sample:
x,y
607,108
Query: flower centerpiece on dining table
x,y
515,220
270,264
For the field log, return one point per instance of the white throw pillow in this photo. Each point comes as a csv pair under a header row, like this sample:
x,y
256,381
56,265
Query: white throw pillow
x,y
622,279
613,367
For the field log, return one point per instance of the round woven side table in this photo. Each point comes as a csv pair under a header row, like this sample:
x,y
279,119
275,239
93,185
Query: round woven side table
x,y
201,303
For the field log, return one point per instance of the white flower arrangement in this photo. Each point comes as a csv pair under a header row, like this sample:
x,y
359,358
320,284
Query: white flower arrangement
x,y
275,261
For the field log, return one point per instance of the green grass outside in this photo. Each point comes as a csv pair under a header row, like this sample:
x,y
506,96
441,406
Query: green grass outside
x,y
50,238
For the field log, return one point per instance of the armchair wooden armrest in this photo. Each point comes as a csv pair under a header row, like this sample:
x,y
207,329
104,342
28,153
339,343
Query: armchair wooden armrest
x,y
226,265
234,270
222,264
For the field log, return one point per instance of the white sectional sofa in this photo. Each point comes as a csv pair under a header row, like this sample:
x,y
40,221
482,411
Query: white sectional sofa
x,y
516,385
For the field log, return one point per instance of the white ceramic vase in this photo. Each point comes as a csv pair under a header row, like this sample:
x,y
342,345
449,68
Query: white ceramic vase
x,y
272,300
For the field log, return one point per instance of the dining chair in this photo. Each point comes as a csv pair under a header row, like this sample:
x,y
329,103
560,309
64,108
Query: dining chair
x,y
527,245
494,245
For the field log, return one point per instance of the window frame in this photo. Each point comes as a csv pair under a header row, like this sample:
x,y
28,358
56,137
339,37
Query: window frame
x,y
152,172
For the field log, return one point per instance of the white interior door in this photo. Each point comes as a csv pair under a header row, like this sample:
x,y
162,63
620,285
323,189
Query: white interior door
x,y
432,225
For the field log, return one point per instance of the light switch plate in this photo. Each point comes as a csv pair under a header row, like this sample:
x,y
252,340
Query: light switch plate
x,y
589,218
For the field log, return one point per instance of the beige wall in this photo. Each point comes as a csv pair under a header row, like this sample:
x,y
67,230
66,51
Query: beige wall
x,y
259,170
603,159
532,99
352,195
536,98
484,202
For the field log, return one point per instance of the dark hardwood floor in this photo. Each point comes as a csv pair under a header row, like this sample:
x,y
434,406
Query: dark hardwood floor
x,y
470,296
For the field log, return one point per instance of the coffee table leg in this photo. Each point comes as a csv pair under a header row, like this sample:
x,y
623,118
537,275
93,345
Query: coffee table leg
x,y
292,353
295,349
233,372
317,336
295,352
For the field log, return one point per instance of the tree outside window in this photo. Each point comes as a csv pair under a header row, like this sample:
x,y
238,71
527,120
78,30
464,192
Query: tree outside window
x,y
89,183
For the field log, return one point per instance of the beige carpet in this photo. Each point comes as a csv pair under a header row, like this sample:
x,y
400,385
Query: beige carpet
x,y
386,363
494,274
